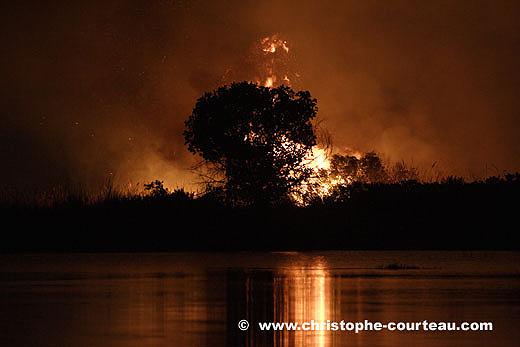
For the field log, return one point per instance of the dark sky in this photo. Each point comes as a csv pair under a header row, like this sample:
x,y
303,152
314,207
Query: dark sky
x,y
98,88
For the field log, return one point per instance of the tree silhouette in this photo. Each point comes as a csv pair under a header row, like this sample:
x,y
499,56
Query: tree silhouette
x,y
367,169
344,166
372,168
253,139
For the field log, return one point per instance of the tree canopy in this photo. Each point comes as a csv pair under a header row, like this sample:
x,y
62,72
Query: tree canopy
x,y
255,138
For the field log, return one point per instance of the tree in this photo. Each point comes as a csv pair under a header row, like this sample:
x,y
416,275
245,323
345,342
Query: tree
x,y
400,172
372,168
253,139
344,166
367,169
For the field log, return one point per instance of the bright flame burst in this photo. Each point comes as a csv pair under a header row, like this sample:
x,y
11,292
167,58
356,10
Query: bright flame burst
x,y
274,65
275,60
271,43
322,183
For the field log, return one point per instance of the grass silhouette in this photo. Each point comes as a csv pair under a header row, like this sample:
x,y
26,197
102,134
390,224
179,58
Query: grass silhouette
x,y
450,214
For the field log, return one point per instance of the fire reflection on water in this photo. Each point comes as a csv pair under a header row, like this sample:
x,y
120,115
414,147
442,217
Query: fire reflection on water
x,y
198,299
302,293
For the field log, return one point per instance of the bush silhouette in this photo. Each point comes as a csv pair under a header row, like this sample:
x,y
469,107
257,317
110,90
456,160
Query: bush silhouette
x,y
156,189
367,169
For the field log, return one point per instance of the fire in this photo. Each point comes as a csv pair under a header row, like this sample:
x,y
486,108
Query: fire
x,y
274,66
272,43
319,160
274,60
320,184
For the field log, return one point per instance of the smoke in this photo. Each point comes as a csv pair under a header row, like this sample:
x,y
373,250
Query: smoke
x,y
97,91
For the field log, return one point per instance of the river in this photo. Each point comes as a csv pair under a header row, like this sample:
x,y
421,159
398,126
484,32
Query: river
x,y
198,299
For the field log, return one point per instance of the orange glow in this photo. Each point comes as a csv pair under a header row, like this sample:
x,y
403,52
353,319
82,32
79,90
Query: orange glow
x,y
319,160
272,48
271,43
274,58
306,293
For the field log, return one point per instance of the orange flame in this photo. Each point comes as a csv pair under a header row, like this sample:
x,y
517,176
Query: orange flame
x,y
274,65
273,48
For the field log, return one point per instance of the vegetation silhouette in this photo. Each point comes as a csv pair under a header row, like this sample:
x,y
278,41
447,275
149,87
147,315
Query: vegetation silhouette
x,y
252,141
369,168
156,189
446,214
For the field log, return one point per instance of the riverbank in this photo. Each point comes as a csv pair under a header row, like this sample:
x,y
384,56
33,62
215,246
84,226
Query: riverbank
x,y
408,215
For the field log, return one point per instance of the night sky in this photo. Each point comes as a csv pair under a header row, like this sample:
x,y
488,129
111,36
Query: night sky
x,y
99,89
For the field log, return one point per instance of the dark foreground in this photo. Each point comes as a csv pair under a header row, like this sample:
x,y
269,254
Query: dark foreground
x,y
409,215
197,299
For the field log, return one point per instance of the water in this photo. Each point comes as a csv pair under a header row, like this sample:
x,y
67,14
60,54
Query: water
x,y
197,299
